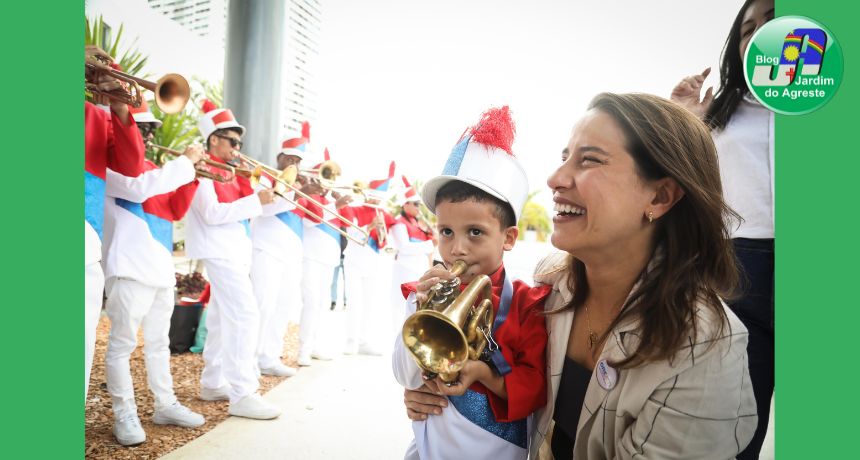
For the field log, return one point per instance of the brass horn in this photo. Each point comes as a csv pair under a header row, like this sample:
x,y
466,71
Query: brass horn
x,y
171,91
448,329
285,180
202,172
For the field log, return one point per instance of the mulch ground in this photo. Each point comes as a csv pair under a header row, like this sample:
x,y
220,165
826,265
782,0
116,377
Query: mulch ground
x,y
160,439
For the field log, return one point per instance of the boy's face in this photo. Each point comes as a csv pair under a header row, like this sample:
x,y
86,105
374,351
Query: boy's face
x,y
470,231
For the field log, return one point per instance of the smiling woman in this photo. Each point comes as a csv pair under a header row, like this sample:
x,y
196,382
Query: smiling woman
x,y
643,357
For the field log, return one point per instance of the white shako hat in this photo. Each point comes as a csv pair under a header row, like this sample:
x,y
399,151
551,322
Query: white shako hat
x,y
297,144
214,119
483,158
142,114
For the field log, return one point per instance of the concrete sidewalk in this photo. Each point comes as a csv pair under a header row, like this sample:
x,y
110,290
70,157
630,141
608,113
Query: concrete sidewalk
x,y
348,408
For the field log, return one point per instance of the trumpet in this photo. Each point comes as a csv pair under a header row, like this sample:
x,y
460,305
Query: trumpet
x,y
326,174
448,329
171,91
234,171
287,179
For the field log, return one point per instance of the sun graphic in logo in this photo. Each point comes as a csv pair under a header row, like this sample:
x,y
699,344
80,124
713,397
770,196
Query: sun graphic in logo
x,y
791,53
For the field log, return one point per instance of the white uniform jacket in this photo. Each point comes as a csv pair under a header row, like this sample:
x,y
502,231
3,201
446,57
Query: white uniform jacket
x,y
137,244
700,406
220,230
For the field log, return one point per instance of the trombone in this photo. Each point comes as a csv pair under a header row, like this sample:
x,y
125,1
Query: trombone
x,y
287,178
171,91
201,172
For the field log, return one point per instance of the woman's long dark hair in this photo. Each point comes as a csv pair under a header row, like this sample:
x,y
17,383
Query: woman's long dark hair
x,y
696,267
733,86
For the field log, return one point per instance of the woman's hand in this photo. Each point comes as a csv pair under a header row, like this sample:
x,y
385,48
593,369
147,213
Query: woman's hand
x,y
436,274
422,402
688,92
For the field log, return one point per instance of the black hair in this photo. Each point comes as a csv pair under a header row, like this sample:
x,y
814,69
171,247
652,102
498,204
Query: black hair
x,y
733,86
457,191
221,131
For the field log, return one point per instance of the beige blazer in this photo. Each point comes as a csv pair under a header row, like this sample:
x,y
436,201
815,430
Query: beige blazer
x,y
701,406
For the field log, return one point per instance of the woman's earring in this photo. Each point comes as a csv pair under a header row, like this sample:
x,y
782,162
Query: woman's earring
x,y
650,216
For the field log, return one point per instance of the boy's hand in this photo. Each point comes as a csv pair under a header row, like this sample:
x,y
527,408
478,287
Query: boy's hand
x,y
422,402
473,371
436,274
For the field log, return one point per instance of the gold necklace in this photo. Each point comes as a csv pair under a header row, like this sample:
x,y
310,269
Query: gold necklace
x,y
592,336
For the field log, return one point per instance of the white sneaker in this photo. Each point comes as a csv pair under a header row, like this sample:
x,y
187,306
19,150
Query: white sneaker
x,y
179,415
305,359
369,350
254,406
215,394
128,431
279,370
322,356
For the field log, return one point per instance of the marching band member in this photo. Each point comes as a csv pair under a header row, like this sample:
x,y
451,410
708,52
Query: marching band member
x,y
367,271
219,234
415,243
138,250
277,242
111,140
321,254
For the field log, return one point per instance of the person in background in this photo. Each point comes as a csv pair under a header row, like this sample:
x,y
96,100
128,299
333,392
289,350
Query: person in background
x,y
138,267
742,130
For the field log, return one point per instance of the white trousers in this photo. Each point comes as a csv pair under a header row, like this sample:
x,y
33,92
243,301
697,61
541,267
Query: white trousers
x,y
129,306
94,283
232,321
316,300
367,310
270,276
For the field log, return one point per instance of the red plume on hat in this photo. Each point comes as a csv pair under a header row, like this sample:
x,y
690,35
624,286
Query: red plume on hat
x,y
207,106
306,131
496,129
411,194
326,155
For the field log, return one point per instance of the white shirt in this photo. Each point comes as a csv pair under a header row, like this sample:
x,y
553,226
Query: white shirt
x,y
450,435
322,243
271,232
130,250
220,230
745,150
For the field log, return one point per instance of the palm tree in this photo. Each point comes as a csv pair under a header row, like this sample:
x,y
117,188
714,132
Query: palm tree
x,y
534,218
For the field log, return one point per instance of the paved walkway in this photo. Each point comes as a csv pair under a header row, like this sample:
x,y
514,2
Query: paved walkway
x,y
349,408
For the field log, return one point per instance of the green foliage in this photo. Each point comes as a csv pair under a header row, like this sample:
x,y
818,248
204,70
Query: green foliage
x,y
534,217
212,91
177,131
132,60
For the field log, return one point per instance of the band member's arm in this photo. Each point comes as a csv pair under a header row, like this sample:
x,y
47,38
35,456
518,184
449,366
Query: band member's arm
x,y
125,146
181,199
150,183
213,212
279,205
363,214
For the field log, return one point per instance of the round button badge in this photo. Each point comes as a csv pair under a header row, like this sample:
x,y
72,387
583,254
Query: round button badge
x,y
607,376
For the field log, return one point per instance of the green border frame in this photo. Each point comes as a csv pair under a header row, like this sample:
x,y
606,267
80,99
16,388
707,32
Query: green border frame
x,y
817,182
43,320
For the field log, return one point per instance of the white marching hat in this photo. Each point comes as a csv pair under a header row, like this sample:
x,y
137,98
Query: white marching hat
x,y
483,158
142,114
297,144
214,119
408,194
